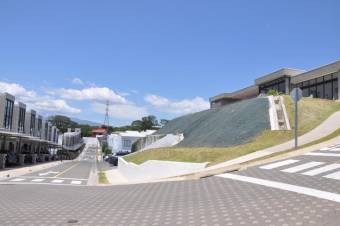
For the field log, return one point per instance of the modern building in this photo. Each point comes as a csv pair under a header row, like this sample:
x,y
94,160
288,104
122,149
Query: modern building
x,y
23,134
99,132
321,82
122,142
72,140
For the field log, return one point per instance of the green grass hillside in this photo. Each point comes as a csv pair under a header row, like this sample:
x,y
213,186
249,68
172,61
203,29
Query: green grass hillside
x,y
231,125
312,113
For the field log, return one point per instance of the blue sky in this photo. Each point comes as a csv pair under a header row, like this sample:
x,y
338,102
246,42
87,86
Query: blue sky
x,y
154,57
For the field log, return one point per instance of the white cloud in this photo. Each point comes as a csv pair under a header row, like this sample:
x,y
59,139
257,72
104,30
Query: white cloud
x,y
93,93
185,106
121,111
77,81
34,101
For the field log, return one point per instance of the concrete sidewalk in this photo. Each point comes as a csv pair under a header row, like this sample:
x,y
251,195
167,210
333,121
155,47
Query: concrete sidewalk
x,y
29,169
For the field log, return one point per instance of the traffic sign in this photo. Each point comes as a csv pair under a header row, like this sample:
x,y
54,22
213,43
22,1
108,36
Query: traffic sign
x,y
296,94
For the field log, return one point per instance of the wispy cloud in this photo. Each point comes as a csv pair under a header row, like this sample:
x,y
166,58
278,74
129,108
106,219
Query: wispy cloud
x,y
185,106
44,103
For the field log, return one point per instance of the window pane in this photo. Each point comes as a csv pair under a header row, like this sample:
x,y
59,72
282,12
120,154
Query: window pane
x,y
313,91
305,92
335,89
320,91
328,90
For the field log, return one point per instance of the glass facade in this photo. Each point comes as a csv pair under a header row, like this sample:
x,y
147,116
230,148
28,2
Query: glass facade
x,y
21,122
325,87
8,114
278,85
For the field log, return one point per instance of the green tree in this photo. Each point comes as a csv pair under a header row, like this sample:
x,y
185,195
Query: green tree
x,y
163,122
62,122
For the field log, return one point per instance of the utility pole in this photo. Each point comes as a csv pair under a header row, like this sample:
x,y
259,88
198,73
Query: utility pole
x,y
107,119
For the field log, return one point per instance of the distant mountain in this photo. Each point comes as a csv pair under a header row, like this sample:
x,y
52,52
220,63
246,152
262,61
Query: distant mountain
x,y
85,122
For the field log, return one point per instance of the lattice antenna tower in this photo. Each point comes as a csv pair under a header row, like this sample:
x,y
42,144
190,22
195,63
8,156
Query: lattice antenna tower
x,y
107,119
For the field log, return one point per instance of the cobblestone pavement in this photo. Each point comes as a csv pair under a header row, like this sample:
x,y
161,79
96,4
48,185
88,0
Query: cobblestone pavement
x,y
210,201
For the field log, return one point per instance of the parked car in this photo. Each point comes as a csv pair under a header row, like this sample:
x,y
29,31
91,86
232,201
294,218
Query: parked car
x,y
113,160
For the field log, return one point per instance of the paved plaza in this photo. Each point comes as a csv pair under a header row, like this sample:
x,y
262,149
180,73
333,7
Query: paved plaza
x,y
308,194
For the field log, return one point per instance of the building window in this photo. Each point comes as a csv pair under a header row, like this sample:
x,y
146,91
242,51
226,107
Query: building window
x,y
335,89
8,114
278,85
21,123
323,87
46,131
127,143
32,128
39,127
328,90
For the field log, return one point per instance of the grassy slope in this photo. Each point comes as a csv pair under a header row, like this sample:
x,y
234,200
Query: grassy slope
x,y
312,113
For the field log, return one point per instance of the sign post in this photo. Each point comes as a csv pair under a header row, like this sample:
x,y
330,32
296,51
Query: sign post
x,y
296,95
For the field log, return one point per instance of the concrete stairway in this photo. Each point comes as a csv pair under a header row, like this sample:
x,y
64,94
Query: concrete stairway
x,y
278,114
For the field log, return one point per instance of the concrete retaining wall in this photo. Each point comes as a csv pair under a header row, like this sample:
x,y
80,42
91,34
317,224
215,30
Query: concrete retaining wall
x,y
154,169
168,141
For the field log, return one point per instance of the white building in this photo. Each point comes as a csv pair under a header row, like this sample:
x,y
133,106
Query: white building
x,y
72,140
121,142
23,136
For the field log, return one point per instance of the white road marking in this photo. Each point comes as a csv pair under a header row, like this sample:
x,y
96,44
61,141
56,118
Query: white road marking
x,y
286,187
38,180
335,176
76,182
323,154
302,167
279,164
57,181
322,170
47,173
17,180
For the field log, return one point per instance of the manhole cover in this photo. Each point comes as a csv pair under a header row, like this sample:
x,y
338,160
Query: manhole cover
x,y
72,221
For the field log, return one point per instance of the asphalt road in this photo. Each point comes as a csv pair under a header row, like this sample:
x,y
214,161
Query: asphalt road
x,y
301,191
75,173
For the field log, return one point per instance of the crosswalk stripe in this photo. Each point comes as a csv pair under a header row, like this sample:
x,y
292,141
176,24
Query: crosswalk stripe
x,y
323,154
322,170
286,187
335,176
77,182
302,167
279,164
38,180
17,180
57,181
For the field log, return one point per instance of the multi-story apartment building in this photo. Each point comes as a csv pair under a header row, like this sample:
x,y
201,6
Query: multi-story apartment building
x,y
24,135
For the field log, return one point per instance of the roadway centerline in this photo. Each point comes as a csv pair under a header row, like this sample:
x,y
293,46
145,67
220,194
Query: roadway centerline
x,y
283,186
68,169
